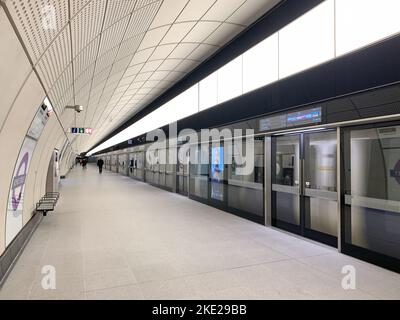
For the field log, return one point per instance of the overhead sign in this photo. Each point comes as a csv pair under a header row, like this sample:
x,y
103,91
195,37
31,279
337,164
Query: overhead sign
x,y
290,120
304,117
273,123
81,130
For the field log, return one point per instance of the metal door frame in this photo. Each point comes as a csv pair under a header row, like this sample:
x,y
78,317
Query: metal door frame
x,y
268,194
370,256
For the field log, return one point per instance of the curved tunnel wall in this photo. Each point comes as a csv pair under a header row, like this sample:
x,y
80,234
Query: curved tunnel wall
x,y
21,96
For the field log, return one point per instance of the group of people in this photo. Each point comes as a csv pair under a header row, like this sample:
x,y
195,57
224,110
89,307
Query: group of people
x,y
83,162
100,164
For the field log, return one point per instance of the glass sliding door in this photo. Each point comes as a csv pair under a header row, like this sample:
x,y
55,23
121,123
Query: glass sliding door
x,y
304,191
245,191
170,169
286,182
371,210
183,173
321,210
217,173
199,173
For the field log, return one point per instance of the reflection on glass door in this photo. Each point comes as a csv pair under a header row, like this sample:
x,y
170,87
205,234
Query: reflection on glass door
x,y
304,185
199,173
183,173
217,173
320,187
286,182
372,194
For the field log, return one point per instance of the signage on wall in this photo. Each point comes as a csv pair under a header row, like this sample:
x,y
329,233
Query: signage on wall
x,y
15,205
75,130
39,121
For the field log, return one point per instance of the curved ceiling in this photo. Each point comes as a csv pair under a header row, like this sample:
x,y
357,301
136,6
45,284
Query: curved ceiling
x,y
116,56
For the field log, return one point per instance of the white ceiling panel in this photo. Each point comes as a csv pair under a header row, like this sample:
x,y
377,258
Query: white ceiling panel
x,y
202,50
250,10
151,66
129,46
185,64
134,70
116,56
143,76
153,37
55,59
77,5
177,32
118,9
159,75
141,56
169,64
112,36
224,33
86,57
223,9
183,50
141,19
86,25
195,9
163,51
174,76
106,60
38,22
169,11
202,31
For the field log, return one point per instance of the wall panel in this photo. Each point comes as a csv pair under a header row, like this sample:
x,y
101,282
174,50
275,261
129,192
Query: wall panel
x,y
36,180
11,138
14,66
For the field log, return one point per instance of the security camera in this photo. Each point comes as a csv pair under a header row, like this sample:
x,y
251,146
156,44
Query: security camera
x,y
77,108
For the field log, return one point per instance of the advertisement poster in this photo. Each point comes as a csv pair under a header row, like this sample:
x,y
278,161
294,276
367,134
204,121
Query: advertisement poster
x,y
16,195
217,173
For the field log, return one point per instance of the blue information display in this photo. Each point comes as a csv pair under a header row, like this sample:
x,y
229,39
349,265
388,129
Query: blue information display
x,y
289,120
217,173
304,117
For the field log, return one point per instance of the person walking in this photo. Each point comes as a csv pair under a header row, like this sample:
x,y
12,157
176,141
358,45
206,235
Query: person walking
x,y
100,164
84,163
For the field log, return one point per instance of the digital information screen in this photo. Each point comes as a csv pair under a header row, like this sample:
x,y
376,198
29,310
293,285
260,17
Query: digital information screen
x,y
289,120
217,173
273,123
304,117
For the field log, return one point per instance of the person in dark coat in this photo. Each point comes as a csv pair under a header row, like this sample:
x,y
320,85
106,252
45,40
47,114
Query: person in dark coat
x,y
100,164
84,163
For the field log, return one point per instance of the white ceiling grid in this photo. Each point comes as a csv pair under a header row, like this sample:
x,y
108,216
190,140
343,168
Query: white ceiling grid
x,y
116,56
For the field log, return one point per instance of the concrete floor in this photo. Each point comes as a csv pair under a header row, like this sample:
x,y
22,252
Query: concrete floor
x,y
114,238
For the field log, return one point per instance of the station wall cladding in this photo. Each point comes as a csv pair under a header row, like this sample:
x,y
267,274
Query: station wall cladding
x,y
29,132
